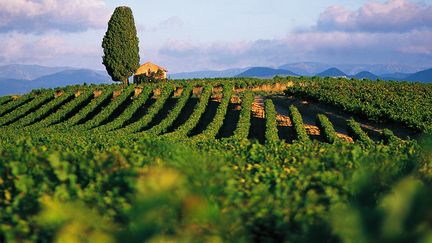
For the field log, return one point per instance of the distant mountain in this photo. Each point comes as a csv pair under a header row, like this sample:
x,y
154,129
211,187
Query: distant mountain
x,y
265,72
208,74
28,72
311,68
366,75
305,68
71,77
422,76
14,86
395,76
60,79
332,72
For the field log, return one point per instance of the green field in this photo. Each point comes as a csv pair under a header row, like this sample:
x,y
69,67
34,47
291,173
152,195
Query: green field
x,y
218,160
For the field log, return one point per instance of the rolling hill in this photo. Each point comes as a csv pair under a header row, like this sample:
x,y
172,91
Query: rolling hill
x,y
366,75
424,76
208,74
265,72
28,72
311,68
332,72
63,78
138,154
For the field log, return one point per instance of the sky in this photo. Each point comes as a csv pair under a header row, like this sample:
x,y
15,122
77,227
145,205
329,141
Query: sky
x,y
192,35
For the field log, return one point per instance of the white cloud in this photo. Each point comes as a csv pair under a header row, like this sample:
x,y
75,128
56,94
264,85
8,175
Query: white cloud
x,y
397,31
171,23
331,47
41,16
50,50
391,16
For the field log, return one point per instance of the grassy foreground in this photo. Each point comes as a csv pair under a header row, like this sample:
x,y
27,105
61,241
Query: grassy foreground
x,y
76,169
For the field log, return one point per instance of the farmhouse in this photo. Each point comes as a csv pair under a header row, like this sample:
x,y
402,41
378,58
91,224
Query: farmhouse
x,y
148,69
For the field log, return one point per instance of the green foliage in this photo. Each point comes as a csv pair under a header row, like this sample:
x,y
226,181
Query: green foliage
x,y
5,100
63,112
130,111
27,109
193,120
357,133
163,126
213,128
299,128
388,137
379,101
87,110
326,128
271,132
10,106
120,44
95,177
44,111
243,125
137,126
103,116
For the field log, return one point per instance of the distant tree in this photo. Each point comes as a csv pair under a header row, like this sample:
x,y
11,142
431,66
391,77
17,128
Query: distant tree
x,y
120,44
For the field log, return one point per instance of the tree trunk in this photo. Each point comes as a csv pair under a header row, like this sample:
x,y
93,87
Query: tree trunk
x,y
126,82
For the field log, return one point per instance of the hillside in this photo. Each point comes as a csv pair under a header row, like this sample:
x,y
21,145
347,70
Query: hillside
x,y
366,75
208,74
28,72
109,161
332,72
312,68
59,79
422,76
71,77
265,72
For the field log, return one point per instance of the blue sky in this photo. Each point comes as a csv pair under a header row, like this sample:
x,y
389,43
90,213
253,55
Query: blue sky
x,y
200,35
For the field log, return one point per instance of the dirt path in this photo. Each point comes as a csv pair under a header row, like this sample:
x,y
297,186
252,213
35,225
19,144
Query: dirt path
x,y
257,128
309,110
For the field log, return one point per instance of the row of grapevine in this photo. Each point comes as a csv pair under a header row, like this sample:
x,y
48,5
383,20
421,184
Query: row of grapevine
x,y
86,111
44,111
10,106
101,121
5,99
271,132
64,112
151,112
173,114
388,137
326,127
26,109
244,122
129,112
104,115
406,103
193,120
299,128
355,131
213,128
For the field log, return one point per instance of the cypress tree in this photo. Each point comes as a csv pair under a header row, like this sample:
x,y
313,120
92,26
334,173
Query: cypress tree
x,y
120,44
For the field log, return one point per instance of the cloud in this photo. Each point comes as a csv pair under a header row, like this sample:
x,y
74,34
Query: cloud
x,y
397,31
391,16
330,47
171,23
50,50
41,16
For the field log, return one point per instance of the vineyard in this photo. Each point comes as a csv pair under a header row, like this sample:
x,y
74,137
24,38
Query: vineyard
x,y
196,111
288,159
